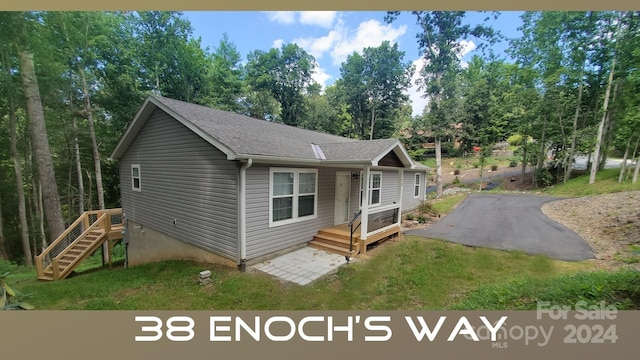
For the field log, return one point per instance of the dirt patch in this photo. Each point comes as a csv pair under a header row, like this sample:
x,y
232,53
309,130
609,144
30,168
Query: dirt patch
x,y
609,223
518,182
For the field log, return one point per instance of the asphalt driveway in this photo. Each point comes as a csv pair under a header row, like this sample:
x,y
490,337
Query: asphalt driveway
x,y
508,222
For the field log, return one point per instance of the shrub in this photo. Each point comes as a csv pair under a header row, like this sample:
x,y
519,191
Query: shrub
x,y
544,177
494,167
426,207
515,140
513,163
456,172
422,219
456,181
409,216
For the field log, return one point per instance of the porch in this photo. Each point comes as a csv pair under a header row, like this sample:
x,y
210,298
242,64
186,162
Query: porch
x,y
348,240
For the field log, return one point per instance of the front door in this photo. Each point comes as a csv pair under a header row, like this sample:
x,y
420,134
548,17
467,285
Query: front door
x,y
343,184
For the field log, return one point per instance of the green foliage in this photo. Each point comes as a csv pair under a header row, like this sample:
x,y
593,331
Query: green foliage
x,y
409,216
606,182
284,73
10,298
544,177
414,274
421,219
426,207
620,289
447,203
515,140
373,85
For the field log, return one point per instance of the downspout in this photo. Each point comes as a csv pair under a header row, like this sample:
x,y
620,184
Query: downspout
x,y
242,241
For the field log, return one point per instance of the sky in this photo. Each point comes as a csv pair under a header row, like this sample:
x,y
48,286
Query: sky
x,y
331,36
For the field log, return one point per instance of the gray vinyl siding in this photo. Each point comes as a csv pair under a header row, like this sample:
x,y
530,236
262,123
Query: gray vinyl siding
x,y
262,239
182,178
389,188
389,191
409,202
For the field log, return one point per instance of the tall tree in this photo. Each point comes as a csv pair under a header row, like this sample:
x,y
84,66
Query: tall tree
x,y
226,77
286,74
376,83
440,46
351,90
386,78
42,153
601,127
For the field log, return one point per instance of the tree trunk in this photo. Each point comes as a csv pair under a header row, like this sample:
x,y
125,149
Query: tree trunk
x,y
635,172
541,154
373,121
608,128
623,166
94,143
635,152
40,140
3,250
599,139
17,166
438,167
76,149
525,138
574,133
40,212
601,127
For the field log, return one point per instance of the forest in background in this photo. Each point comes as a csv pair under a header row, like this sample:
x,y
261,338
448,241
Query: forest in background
x,y
70,83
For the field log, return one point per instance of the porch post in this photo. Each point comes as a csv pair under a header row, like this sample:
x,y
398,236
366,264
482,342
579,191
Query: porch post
x,y
364,219
400,185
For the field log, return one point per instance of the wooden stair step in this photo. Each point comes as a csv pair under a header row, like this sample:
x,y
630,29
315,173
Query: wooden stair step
x,y
333,248
333,240
339,233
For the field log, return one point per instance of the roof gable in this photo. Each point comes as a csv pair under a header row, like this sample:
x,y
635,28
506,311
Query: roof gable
x,y
242,137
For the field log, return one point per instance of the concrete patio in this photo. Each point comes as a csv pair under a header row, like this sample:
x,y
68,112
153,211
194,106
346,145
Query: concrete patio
x,y
302,266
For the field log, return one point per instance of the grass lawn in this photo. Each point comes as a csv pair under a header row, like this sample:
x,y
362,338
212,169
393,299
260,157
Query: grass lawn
x,y
412,274
606,182
446,204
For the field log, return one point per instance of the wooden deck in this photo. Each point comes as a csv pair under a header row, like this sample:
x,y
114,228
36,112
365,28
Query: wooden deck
x,y
336,239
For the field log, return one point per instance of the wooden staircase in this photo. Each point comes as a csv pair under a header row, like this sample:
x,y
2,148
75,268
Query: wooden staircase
x,y
336,240
81,239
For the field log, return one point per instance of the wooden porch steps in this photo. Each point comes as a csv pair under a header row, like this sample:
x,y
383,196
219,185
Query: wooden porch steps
x,y
336,240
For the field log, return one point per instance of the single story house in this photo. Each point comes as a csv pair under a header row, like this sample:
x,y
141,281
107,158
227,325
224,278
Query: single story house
x,y
209,185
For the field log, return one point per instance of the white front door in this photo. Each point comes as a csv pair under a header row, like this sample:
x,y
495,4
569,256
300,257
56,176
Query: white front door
x,y
343,184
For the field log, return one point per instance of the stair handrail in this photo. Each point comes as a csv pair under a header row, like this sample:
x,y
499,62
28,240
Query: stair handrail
x,y
40,258
71,265
352,230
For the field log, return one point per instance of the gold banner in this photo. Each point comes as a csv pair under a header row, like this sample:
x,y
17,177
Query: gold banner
x,y
549,332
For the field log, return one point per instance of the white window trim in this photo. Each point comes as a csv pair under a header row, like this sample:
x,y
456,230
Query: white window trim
x,y
371,173
417,184
133,186
294,210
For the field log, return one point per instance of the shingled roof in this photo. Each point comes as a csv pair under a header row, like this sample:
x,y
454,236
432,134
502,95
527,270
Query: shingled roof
x,y
242,137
